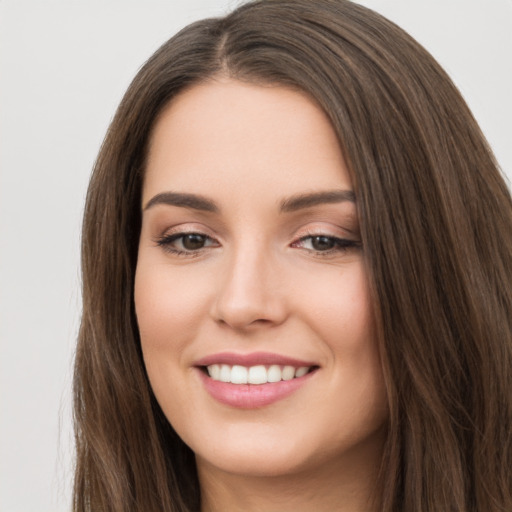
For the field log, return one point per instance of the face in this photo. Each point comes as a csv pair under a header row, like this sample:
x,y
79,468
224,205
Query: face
x,y
251,292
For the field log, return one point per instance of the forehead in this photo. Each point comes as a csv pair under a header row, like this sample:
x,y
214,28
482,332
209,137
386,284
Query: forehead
x,y
234,136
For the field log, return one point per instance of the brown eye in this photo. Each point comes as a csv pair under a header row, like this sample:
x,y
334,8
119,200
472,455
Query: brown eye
x,y
322,243
186,243
193,241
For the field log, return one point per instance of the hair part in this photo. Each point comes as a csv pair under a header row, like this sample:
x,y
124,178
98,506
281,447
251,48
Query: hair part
x,y
436,227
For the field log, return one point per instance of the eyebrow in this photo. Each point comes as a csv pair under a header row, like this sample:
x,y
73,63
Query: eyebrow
x,y
184,200
291,204
302,201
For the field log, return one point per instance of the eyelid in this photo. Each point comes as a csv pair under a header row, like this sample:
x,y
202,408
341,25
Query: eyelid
x,y
326,229
186,228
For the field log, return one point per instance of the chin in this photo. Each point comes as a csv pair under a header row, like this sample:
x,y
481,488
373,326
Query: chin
x,y
249,461
265,452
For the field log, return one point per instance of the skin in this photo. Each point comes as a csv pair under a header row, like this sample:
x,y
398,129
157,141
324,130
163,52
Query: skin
x,y
260,282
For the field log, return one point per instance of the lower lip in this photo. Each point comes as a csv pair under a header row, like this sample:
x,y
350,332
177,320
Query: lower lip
x,y
252,396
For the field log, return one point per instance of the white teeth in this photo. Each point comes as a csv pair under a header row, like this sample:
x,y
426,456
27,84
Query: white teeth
x,y
258,374
274,373
239,374
225,373
300,372
288,373
214,371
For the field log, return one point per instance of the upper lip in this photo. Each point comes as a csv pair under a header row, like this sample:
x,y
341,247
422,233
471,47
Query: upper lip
x,y
252,359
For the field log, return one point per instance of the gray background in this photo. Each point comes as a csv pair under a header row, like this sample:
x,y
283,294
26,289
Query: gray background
x,y
63,68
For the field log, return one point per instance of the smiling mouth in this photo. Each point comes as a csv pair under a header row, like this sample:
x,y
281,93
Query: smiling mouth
x,y
258,374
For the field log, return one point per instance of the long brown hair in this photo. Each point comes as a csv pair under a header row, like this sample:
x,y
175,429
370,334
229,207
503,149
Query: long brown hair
x,y
436,221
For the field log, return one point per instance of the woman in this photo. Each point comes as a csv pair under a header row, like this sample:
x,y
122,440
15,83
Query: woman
x,y
296,267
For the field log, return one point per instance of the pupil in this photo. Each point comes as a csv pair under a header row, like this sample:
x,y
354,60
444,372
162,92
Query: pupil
x,y
322,243
193,241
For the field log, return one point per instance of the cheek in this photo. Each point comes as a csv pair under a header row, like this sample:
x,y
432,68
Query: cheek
x,y
169,307
343,317
342,311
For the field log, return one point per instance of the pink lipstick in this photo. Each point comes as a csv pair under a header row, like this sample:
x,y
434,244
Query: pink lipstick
x,y
253,380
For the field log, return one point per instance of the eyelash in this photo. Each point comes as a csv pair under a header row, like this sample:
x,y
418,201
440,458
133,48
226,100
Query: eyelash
x,y
166,242
339,244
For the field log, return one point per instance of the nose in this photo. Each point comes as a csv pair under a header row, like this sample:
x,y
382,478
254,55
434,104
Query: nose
x,y
250,292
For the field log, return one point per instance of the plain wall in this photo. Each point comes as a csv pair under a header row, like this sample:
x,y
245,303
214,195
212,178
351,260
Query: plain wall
x,y
64,65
